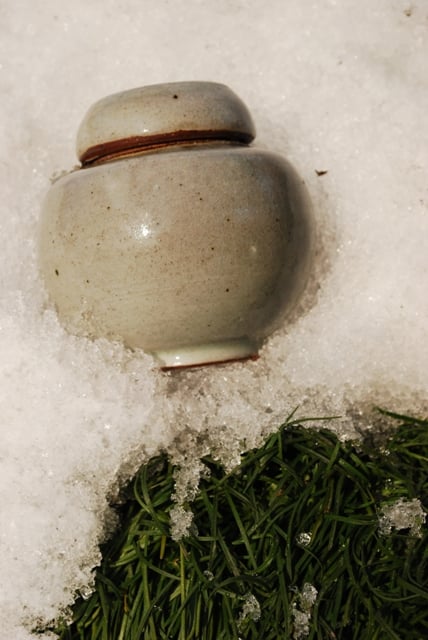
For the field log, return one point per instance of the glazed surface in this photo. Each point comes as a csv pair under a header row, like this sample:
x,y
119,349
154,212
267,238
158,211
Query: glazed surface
x,y
183,247
162,112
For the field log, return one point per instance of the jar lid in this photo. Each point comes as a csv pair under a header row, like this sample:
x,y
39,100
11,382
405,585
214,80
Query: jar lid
x,y
162,114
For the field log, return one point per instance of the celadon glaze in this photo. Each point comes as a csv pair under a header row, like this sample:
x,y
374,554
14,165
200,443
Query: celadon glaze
x,y
175,236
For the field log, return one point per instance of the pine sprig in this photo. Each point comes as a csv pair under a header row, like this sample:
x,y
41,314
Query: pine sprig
x,y
302,510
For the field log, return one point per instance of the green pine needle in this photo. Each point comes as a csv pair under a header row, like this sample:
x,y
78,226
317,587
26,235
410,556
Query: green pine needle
x,y
246,543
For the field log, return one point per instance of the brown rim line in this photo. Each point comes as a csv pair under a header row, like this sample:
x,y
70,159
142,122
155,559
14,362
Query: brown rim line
x,y
129,146
254,357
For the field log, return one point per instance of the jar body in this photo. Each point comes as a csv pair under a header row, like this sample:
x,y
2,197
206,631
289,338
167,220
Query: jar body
x,y
194,253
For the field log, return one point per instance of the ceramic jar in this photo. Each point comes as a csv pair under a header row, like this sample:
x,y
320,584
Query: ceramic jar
x,y
175,236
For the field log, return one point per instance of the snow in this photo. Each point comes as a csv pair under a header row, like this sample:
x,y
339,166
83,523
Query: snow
x,y
302,610
402,514
337,87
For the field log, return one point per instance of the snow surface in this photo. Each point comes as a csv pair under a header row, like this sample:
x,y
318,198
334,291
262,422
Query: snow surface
x,y
336,86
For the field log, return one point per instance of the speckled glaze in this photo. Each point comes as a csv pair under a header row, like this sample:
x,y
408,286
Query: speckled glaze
x,y
175,236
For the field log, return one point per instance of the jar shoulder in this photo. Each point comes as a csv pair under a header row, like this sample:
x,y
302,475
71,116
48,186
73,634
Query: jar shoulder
x,y
231,177
199,158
